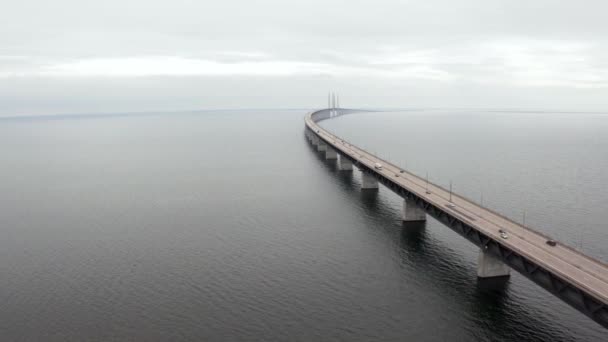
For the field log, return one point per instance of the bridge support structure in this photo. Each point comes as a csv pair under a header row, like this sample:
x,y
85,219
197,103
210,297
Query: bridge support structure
x,y
368,181
321,145
344,164
489,266
330,153
411,212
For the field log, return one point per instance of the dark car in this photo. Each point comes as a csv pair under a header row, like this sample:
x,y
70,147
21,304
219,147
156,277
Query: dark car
x,y
551,243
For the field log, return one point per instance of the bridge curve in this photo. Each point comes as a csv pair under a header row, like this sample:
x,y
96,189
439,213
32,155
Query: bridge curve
x,y
577,279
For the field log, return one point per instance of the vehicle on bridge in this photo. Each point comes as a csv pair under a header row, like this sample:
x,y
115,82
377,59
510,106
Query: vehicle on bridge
x,y
378,166
503,234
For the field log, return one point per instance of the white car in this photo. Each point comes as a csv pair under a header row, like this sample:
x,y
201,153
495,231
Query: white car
x,y
378,166
503,234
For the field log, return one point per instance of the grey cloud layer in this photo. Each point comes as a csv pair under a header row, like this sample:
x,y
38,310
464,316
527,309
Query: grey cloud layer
x,y
443,47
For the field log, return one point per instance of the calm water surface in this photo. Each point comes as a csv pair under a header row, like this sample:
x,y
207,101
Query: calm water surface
x,y
229,226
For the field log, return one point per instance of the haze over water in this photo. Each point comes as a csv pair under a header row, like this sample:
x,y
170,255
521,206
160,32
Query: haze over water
x,y
227,225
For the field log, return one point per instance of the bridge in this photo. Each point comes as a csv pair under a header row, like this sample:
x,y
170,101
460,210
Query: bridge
x,y
577,279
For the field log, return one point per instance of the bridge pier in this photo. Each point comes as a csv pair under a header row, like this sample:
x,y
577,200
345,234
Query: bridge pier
x,y
411,212
321,145
344,164
330,153
368,181
489,266
314,140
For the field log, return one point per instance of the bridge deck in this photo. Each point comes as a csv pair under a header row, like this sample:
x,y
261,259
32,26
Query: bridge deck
x,y
583,271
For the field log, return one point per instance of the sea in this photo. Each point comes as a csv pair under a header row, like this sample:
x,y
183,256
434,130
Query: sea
x,y
227,225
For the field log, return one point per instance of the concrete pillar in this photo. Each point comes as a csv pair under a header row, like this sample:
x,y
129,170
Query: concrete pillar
x,y
330,153
315,140
411,212
321,146
489,266
344,164
368,181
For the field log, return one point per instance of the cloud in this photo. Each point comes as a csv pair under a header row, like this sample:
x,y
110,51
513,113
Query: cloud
x,y
514,61
173,66
431,49
251,64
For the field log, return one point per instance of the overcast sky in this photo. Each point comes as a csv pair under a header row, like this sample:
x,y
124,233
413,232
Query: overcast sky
x,y
80,56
